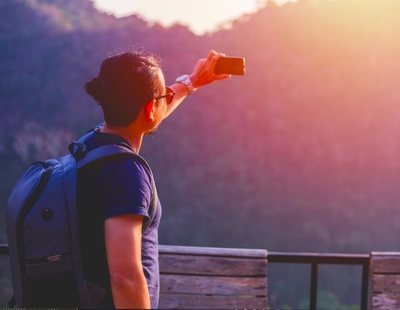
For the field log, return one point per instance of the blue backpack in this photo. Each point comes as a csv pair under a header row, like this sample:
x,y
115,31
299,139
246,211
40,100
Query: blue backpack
x,y
42,228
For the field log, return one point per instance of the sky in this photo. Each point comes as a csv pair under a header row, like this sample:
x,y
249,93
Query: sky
x,y
200,16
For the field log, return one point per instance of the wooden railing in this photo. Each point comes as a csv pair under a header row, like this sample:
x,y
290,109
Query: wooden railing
x,y
209,278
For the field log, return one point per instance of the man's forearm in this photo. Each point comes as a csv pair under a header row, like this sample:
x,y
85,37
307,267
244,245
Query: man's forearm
x,y
130,293
180,94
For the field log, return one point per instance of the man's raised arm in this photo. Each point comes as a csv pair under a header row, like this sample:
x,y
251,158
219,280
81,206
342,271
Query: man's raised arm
x,y
203,74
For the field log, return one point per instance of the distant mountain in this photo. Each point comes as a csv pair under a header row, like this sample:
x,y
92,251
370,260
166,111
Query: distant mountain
x,y
301,154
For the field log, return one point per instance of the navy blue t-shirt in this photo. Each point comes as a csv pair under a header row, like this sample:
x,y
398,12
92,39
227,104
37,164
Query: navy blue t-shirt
x,y
111,187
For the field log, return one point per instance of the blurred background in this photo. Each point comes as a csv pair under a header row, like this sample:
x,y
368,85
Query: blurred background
x,y
301,154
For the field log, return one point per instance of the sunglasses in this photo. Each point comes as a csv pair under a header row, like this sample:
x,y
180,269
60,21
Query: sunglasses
x,y
169,96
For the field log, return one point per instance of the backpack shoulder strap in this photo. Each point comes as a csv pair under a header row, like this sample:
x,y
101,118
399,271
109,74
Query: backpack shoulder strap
x,y
103,152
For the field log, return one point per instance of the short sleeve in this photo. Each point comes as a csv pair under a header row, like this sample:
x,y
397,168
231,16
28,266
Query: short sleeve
x,y
125,187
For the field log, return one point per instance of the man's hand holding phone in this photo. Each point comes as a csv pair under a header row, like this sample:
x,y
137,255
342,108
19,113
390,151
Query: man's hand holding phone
x,y
215,67
207,70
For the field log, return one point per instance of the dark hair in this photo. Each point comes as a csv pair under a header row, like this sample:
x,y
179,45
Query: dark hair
x,y
124,84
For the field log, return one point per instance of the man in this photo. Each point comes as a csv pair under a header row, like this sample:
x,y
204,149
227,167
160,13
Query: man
x,y
119,212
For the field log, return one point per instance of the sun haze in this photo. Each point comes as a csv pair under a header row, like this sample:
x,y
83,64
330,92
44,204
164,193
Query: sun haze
x,y
200,16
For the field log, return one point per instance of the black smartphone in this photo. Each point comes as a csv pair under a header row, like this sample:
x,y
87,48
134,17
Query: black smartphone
x,y
230,65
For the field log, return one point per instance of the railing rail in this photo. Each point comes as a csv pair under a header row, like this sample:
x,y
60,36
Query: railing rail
x,y
316,259
313,259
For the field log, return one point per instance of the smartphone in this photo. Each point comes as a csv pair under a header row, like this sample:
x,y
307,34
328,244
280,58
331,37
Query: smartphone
x,y
230,65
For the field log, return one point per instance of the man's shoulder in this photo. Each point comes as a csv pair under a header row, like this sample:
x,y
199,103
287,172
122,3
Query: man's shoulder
x,y
119,165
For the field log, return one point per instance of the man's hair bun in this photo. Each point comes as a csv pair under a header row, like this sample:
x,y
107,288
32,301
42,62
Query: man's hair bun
x,y
96,88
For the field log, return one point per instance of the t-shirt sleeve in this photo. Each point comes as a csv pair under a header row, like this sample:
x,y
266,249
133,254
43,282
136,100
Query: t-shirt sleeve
x,y
125,187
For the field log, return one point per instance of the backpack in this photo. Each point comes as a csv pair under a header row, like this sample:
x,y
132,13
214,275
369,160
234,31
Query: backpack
x,y
42,229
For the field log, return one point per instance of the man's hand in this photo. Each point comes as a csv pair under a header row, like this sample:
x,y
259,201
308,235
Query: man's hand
x,y
203,72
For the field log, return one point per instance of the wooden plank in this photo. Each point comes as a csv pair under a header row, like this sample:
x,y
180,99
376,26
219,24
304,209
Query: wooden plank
x,y
394,254
385,264
188,250
212,265
385,302
388,284
181,301
190,284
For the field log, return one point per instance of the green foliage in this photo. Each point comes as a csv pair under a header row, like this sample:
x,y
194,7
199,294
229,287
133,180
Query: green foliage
x,y
326,301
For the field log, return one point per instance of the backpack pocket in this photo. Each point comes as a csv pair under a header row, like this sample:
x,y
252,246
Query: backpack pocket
x,y
51,283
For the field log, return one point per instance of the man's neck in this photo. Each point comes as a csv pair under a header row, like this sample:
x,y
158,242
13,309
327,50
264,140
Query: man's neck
x,y
129,133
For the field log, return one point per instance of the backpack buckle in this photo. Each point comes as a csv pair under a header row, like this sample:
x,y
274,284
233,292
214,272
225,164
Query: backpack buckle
x,y
77,149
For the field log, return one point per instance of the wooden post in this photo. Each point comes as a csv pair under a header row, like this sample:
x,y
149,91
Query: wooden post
x,y
385,280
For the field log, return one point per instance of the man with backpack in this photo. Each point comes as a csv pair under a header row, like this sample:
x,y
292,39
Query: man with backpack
x,y
131,256
109,257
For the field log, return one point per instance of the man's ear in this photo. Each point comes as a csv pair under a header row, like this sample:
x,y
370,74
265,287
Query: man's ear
x,y
149,109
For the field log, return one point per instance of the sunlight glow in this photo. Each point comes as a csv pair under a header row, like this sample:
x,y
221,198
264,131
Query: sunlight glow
x,y
200,16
